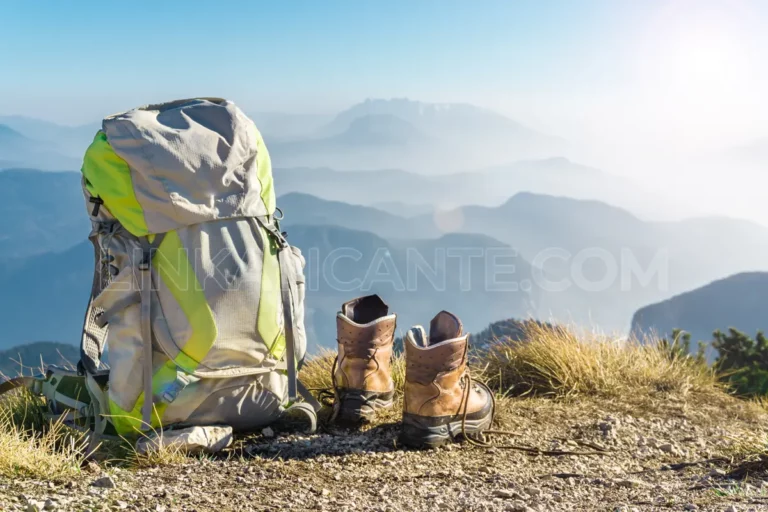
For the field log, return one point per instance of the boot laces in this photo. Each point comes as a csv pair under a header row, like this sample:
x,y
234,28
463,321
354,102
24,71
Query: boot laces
x,y
330,396
479,438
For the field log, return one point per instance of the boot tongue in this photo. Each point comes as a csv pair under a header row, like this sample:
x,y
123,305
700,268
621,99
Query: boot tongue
x,y
445,326
364,310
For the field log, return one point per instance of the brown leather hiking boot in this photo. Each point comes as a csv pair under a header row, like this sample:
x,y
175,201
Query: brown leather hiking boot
x,y
362,378
441,402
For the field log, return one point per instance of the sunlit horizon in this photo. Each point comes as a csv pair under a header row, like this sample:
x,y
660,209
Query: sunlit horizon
x,y
667,93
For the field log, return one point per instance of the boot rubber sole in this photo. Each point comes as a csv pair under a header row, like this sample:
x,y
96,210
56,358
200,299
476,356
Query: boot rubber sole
x,y
433,431
354,406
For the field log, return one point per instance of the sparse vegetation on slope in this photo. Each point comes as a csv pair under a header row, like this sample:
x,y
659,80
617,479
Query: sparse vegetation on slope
x,y
33,447
554,361
742,361
316,373
633,424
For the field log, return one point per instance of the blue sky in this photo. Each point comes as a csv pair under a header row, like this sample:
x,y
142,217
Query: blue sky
x,y
649,69
652,89
69,60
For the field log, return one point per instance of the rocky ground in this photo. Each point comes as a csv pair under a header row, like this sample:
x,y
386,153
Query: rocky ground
x,y
566,455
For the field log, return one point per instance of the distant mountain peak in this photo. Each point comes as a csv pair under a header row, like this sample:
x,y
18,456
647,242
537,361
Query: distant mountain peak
x,y
381,129
439,119
8,133
405,108
422,107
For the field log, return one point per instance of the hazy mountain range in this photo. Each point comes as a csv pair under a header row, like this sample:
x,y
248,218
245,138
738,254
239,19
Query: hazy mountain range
x,y
375,134
404,193
32,143
452,154
606,263
739,301
55,286
41,212
18,150
598,263
405,134
411,200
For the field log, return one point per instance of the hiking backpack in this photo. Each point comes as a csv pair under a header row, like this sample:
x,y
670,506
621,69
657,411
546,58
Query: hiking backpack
x,y
197,297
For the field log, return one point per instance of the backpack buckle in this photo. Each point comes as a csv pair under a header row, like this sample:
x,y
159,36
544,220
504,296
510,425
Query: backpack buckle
x,y
97,202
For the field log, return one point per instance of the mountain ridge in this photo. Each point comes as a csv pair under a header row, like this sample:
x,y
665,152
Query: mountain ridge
x,y
739,301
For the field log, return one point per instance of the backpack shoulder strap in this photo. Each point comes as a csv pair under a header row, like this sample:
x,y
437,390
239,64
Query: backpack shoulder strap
x,y
94,334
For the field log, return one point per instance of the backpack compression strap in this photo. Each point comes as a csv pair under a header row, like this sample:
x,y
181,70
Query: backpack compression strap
x,y
288,290
94,334
145,268
66,393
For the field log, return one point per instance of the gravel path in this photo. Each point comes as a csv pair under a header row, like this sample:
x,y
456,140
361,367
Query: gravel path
x,y
632,458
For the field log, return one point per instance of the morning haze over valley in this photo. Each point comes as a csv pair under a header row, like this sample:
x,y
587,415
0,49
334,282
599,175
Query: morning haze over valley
x,y
605,191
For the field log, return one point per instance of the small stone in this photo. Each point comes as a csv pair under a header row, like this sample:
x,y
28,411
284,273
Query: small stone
x,y
50,505
533,492
121,505
517,506
667,448
732,508
505,494
629,483
325,492
717,472
268,432
104,482
690,506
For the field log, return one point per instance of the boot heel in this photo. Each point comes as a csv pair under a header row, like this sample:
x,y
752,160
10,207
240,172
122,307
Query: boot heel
x,y
434,431
354,406
416,433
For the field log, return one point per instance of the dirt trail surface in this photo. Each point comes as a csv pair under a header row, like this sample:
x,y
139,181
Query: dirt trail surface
x,y
677,457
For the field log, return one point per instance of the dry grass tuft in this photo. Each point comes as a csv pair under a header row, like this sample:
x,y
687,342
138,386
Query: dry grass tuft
x,y
157,454
554,361
31,446
316,372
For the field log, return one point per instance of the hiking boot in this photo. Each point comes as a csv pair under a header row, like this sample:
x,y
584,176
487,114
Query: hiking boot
x,y
362,377
441,402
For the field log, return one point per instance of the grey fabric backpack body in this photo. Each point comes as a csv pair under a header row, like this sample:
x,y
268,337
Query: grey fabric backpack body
x,y
197,298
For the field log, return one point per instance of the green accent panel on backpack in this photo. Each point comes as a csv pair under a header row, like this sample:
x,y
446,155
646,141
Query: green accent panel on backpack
x,y
179,277
109,177
264,173
270,299
130,422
